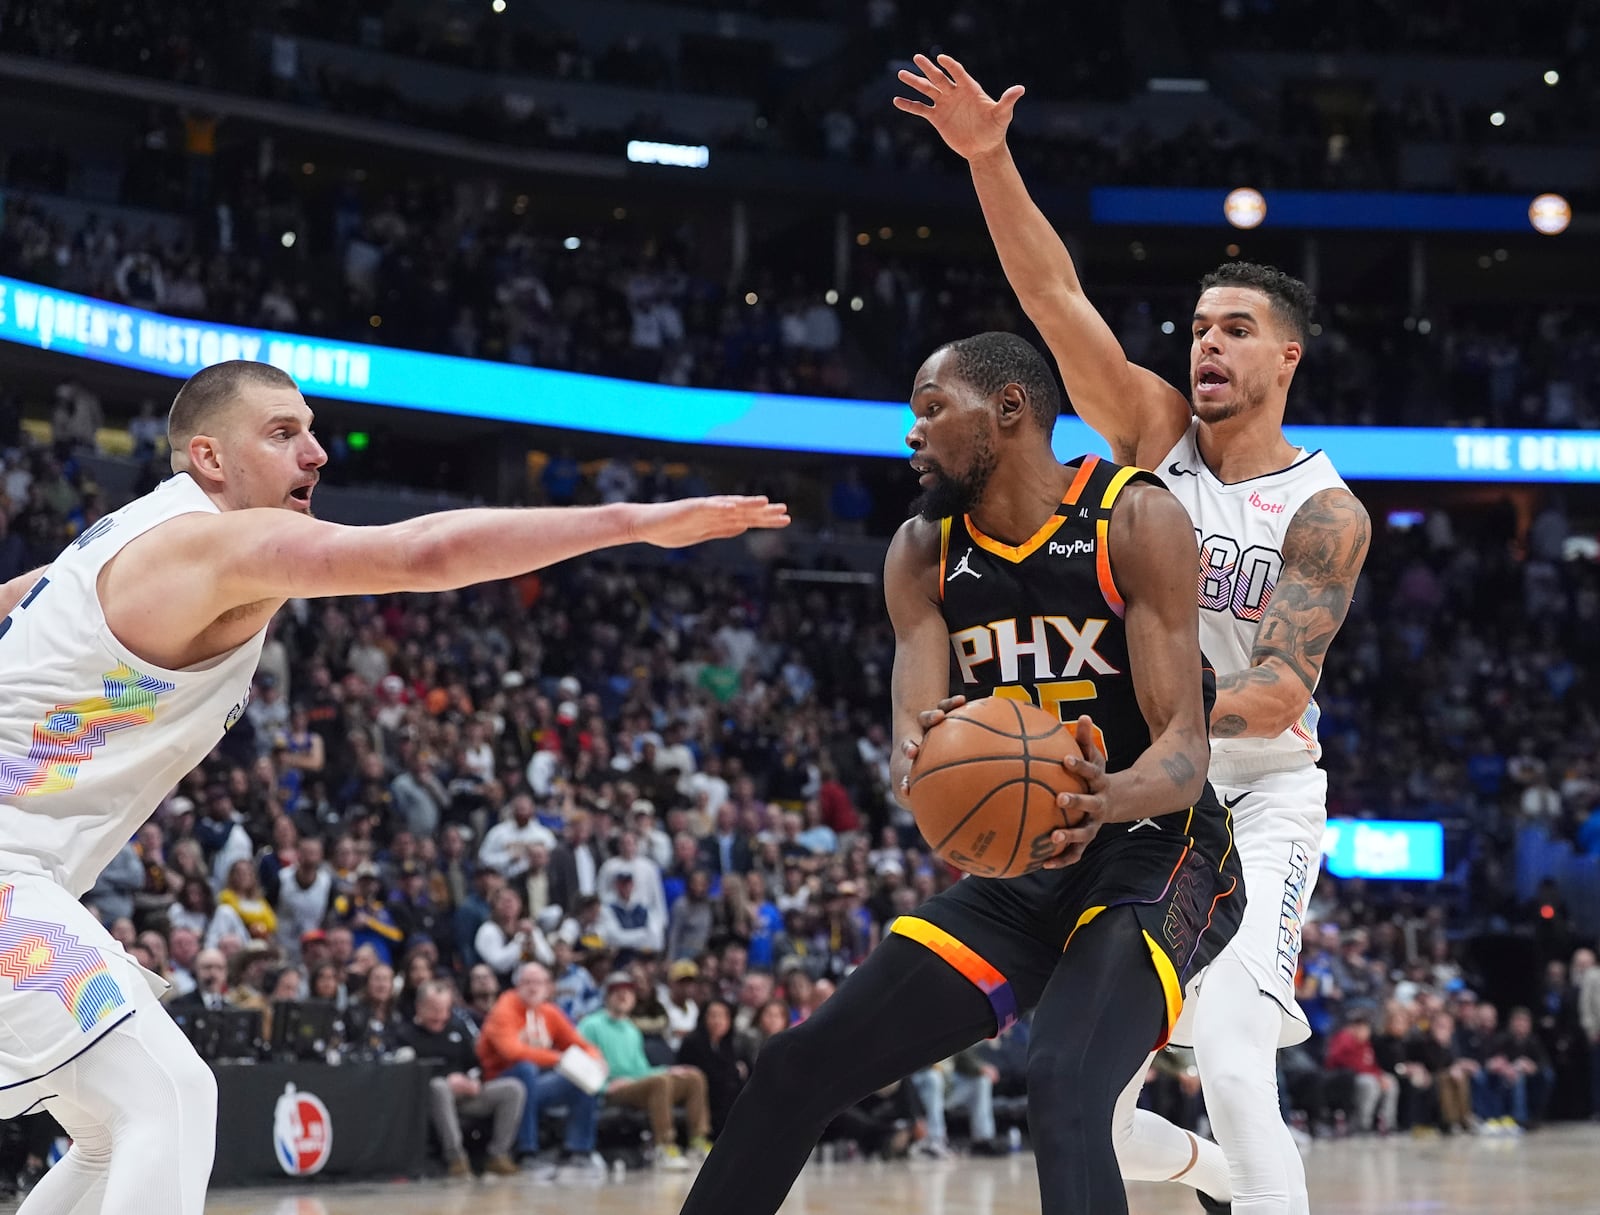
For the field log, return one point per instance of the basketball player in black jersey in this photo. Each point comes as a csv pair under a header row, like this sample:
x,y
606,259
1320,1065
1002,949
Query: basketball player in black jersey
x,y
1072,586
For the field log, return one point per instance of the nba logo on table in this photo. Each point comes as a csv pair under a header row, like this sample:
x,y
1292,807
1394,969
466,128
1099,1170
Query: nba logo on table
x,y
302,1132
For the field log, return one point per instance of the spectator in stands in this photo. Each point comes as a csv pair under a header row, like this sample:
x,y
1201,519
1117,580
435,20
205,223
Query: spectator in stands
x,y
435,1033
508,938
689,931
647,883
304,893
243,894
506,845
723,1054
1523,1066
1351,1057
373,1022
678,1001
483,989
112,895
578,993
211,985
367,915
635,1083
524,1037
627,919
1586,979
965,1082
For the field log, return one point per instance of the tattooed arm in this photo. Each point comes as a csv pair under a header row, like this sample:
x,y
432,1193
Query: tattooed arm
x,y
1322,555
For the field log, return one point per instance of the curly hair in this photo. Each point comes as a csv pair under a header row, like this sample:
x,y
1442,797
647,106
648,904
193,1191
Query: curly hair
x,y
1291,299
990,361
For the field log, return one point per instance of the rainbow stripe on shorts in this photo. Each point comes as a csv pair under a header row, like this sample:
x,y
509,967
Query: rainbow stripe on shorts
x,y
36,955
968,962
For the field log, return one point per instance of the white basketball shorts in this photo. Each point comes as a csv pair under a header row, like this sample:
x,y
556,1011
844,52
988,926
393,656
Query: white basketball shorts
x,y
1278,824
63,984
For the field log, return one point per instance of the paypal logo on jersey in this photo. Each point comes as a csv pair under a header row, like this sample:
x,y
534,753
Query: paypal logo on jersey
x,y
1076,548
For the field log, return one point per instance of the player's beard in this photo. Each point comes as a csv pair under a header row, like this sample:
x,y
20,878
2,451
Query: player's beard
x,y
950,496
1248,394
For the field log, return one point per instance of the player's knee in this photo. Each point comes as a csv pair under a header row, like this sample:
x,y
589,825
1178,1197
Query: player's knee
x,y
1231,1082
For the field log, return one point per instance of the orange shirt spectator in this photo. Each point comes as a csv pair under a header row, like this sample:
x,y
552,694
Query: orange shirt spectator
x,y
515,1032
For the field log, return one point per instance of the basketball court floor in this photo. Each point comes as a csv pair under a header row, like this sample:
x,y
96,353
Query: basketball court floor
x,y
1551,1173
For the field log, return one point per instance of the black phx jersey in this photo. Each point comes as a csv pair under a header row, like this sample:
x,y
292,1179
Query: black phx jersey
x,y
1042,621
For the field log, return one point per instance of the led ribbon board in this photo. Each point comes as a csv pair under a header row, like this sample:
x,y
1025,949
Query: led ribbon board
x,y
1364,848
74,325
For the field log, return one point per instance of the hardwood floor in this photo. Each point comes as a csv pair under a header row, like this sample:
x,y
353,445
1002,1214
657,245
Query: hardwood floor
x,y
1550,1173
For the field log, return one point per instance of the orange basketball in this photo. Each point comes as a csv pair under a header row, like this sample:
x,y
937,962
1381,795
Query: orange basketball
x,y
984,785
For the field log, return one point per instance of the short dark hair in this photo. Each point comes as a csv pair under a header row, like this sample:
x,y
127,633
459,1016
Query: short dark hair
x,y
990,361
212,389
1291,299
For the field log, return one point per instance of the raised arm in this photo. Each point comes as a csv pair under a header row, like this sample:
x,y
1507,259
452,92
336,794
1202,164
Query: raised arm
x,y
1323,552
187,575
921,678
1135,410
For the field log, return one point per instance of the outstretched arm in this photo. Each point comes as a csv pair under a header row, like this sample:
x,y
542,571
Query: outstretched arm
x,y
179,579
1323,552
1135,410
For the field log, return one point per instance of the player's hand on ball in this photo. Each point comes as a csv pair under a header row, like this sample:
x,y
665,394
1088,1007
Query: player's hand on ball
x,y
926,720
1089,808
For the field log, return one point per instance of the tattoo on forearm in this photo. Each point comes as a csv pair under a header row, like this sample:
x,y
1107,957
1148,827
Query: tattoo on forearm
x,y
1230,726
1179,768
1323,551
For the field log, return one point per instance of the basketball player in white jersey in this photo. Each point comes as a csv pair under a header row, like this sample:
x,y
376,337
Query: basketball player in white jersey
x,y
1282,541
124,662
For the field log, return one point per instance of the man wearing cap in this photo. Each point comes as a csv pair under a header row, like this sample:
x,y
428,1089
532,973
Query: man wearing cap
x,y
646,875
626,920
677,997
634,1082
525,1036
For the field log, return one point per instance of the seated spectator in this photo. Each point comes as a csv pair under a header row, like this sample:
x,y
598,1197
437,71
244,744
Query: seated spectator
x,y
966,1081
197,911
627,920
635,1083
1352,1058
505,845
210,985
367,915
374,1020
755,989
418,972
483,989
1394,1049
1523,1063
723,1053
683,1013
689,930
243,894
1436,1052
436,1033
524,1037
771,1020
578,989
508,938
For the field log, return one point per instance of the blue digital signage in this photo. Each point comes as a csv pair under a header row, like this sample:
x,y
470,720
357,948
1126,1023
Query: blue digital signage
x,y
1367,848
46,319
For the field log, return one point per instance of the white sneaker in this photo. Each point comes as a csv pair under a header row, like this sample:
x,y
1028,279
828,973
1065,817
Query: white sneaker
x,y
585,1168
671,1159
930,1149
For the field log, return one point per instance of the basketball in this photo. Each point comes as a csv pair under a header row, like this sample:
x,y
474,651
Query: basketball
x,y
984,785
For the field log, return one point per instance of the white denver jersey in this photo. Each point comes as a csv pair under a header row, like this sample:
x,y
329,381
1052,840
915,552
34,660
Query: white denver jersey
x,y
1240,528
92,737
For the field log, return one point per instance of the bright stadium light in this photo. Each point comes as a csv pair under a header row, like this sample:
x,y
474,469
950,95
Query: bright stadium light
x,y
1497,119
1550,214
1552,78
1245,208
677,155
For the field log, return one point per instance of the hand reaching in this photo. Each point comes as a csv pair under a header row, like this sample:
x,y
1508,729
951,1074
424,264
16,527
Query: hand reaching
x,y
694,520
967,118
